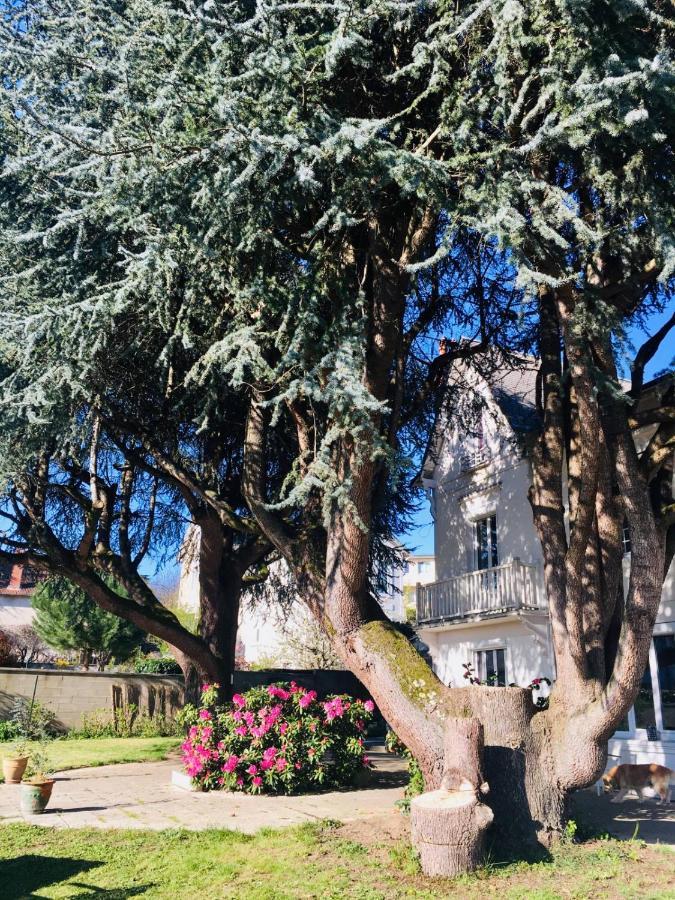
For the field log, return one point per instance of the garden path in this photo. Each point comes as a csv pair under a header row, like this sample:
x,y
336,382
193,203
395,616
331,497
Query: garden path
x,y
140,795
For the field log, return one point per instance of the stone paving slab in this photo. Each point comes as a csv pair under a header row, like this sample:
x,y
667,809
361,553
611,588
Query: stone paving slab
x,y
140,795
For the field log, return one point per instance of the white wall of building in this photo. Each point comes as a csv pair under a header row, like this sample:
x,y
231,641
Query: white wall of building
x,y
265,626
499,486
15,612
419,568
524,637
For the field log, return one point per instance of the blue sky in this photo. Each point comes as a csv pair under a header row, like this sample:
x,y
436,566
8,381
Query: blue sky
x,y
421,537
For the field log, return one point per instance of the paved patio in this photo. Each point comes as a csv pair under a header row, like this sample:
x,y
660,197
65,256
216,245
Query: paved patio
x,y
140,795
646,819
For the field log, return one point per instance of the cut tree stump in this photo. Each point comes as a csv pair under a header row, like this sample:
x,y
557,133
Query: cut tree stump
x,y
448,825
448,831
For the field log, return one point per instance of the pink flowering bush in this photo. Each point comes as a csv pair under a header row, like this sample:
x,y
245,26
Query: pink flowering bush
x,y
278,738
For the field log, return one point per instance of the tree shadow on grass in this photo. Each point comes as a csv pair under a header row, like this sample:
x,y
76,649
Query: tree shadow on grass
x,y
24,876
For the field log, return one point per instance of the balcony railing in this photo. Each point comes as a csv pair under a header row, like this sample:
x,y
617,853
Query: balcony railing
x,y
512,586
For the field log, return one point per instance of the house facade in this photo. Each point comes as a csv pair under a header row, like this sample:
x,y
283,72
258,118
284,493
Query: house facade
x,y
487,606
17,586
275,634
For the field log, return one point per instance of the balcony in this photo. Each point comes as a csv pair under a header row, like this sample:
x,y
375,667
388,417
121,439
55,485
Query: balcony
x,y
487,592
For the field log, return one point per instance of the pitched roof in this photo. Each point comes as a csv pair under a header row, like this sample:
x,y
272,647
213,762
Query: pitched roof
x,y
514,389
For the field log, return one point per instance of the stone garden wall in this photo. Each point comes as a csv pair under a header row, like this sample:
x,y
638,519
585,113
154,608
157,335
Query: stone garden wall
x,y
70,694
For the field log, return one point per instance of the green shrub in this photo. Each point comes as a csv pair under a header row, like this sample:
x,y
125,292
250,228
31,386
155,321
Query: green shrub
x,y
415,786
8,731
153,665
125,722
33,721
276,739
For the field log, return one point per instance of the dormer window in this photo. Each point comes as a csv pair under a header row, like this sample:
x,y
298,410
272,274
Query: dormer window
x,y
475,450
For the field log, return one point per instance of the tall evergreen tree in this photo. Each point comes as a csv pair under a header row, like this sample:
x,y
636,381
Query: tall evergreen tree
x,y
67,619
304,197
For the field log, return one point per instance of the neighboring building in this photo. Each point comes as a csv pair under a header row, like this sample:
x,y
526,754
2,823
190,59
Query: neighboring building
x,y
17,586
270,632
419,568
487,607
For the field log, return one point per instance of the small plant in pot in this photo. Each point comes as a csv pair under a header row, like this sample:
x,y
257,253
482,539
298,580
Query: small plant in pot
x,y
14,764
37,788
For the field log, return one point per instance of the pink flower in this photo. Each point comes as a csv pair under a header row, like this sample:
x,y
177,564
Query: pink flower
x,y
206,733
204,714
294,688
307,699
238,700
257,781
205,688
230,763
283,727
275,691
334,709
252,769
240,782
266,764
366,761
249,718
298,765
259,730
237,716
269,751
369,706
281,764
240,730
193,732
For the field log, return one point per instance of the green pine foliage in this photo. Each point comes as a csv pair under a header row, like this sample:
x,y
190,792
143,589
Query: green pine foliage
x,y
204,170
67,619
190,191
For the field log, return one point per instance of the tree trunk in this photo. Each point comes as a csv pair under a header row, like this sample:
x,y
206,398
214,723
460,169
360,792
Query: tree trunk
x,y
220,586
448,831
448,825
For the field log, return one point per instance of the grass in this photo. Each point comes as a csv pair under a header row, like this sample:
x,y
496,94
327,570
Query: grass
x,y
310,861
83,752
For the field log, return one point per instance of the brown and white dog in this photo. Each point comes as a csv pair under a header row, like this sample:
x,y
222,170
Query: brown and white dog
x,y
629,777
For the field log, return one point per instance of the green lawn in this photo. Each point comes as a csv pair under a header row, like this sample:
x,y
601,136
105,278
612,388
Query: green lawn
x,y
78,753
310,861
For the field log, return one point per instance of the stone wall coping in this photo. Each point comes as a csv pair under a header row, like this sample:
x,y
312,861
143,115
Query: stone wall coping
x,y
69,673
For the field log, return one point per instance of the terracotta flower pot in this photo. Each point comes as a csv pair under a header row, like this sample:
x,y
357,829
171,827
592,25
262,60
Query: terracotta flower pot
x,y
35,796
13,768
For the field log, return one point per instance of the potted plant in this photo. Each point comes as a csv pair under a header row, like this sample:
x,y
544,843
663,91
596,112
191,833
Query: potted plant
x,y
14,764
37,788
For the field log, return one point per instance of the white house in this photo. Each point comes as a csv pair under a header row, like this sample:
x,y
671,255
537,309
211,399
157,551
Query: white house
x,y
487,606
271,632
17,586
419,568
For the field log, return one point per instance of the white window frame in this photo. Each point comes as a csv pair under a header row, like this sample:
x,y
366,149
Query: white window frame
x,y
635,733
490,648
476,546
